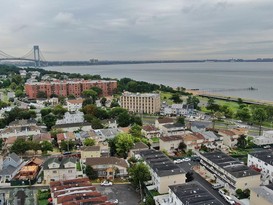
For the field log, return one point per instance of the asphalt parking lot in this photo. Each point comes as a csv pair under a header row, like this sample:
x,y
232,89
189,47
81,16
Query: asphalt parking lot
x,y
123,192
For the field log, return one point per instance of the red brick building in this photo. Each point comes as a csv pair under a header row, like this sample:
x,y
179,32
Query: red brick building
x,y
65,88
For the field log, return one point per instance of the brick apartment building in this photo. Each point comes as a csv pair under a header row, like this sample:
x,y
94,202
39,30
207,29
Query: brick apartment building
x,y
65,88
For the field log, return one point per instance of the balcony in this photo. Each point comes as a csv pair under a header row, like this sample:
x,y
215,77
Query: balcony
x,y
163,200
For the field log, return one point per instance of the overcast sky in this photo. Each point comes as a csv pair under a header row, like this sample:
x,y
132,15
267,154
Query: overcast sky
x,y
138,29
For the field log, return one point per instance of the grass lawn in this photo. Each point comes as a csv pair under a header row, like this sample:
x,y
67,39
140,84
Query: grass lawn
x,y
155,139
165,96
43,202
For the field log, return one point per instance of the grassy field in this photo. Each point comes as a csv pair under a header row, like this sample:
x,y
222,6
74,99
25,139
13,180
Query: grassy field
x,y
43,202
165,96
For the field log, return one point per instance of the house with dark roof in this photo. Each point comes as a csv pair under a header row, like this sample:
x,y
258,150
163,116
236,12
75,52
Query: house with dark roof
x,y
138,146
108,167
163,171
10,166
162,121
229,171
150,131
60,168
170,143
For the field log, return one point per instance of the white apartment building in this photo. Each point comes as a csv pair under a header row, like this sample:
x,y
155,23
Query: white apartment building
x,y
77,117
263,162
141,102
265,139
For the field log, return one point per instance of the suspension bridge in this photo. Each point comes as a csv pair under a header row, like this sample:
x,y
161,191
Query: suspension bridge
x,y
35,55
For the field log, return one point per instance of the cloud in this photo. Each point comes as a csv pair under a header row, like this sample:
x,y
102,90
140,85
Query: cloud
x,y
65,18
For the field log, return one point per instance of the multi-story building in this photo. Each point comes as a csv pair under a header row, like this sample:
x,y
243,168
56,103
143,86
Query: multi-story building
x,y
141,102
228,171
74,105
262,161
192,193
56,169
71,87
77,117
170,143
163,171
262,195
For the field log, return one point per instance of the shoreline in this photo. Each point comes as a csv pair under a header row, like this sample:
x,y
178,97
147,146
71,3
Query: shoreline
x,y
228,98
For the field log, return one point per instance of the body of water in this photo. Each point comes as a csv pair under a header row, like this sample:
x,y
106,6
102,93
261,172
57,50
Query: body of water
x,y
203,76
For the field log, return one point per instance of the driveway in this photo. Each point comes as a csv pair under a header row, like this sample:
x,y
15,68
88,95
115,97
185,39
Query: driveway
x,y
123,192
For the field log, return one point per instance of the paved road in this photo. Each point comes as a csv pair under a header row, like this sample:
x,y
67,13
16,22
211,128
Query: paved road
x,y
187,166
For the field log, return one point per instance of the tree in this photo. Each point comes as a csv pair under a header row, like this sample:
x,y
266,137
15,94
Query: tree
x,y
20,146
97,90
182,146
59,111
49,120
242,142
87,101
124,142
19,93
193,100
46,146
259,116
90,109
71,97
176,98
67,145
243,114
41,94
114,103
89,142
139,173
124,119
35,146
61,100
181,120
45,111
91,173
135,130
90,94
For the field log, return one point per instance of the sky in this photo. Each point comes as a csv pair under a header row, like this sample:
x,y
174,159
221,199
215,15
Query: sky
x,y
138,29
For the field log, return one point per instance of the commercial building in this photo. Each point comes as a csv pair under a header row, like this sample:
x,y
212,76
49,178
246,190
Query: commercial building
x,y
262,161
141,102
164,172
71,87
229,171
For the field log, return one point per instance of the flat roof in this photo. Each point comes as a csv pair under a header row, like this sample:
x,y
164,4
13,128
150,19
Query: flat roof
x,y
265,192
160,163
264,155
230,164
194,193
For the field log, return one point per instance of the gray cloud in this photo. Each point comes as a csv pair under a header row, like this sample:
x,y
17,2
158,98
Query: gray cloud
x,y
124,29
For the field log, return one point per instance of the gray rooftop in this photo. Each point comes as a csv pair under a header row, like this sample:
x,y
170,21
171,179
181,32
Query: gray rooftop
x,y
160,163
265,192
14,157
61,161
194,193
230,164
264,155
173,125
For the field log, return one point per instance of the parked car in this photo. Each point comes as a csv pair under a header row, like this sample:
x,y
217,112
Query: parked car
x,y
221,192
229,199
177,161
217,186
186,159
106,183
114,201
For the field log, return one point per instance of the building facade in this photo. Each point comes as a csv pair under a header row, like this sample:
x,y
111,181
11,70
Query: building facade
x,y
72,87
141,102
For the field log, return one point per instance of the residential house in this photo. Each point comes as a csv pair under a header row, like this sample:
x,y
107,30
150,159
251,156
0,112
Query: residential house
x,y
61,168
108,167
69,118
265,139
229,171
90,152
262,161
72,127
170,143
137,148
164,172
76,191
74,105
27,175
176,109
150,131
230,137
110,123
9,167
173,129
193,141
104,134
162,121
65,137
42,137
262,195
187,194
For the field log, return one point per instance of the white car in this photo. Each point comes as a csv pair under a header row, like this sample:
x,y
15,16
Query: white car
x,y
186,159
177,161
114,201
106,183
229,199
221,192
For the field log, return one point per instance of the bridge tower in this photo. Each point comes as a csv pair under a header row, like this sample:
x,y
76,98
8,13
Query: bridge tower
x,y
37,56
